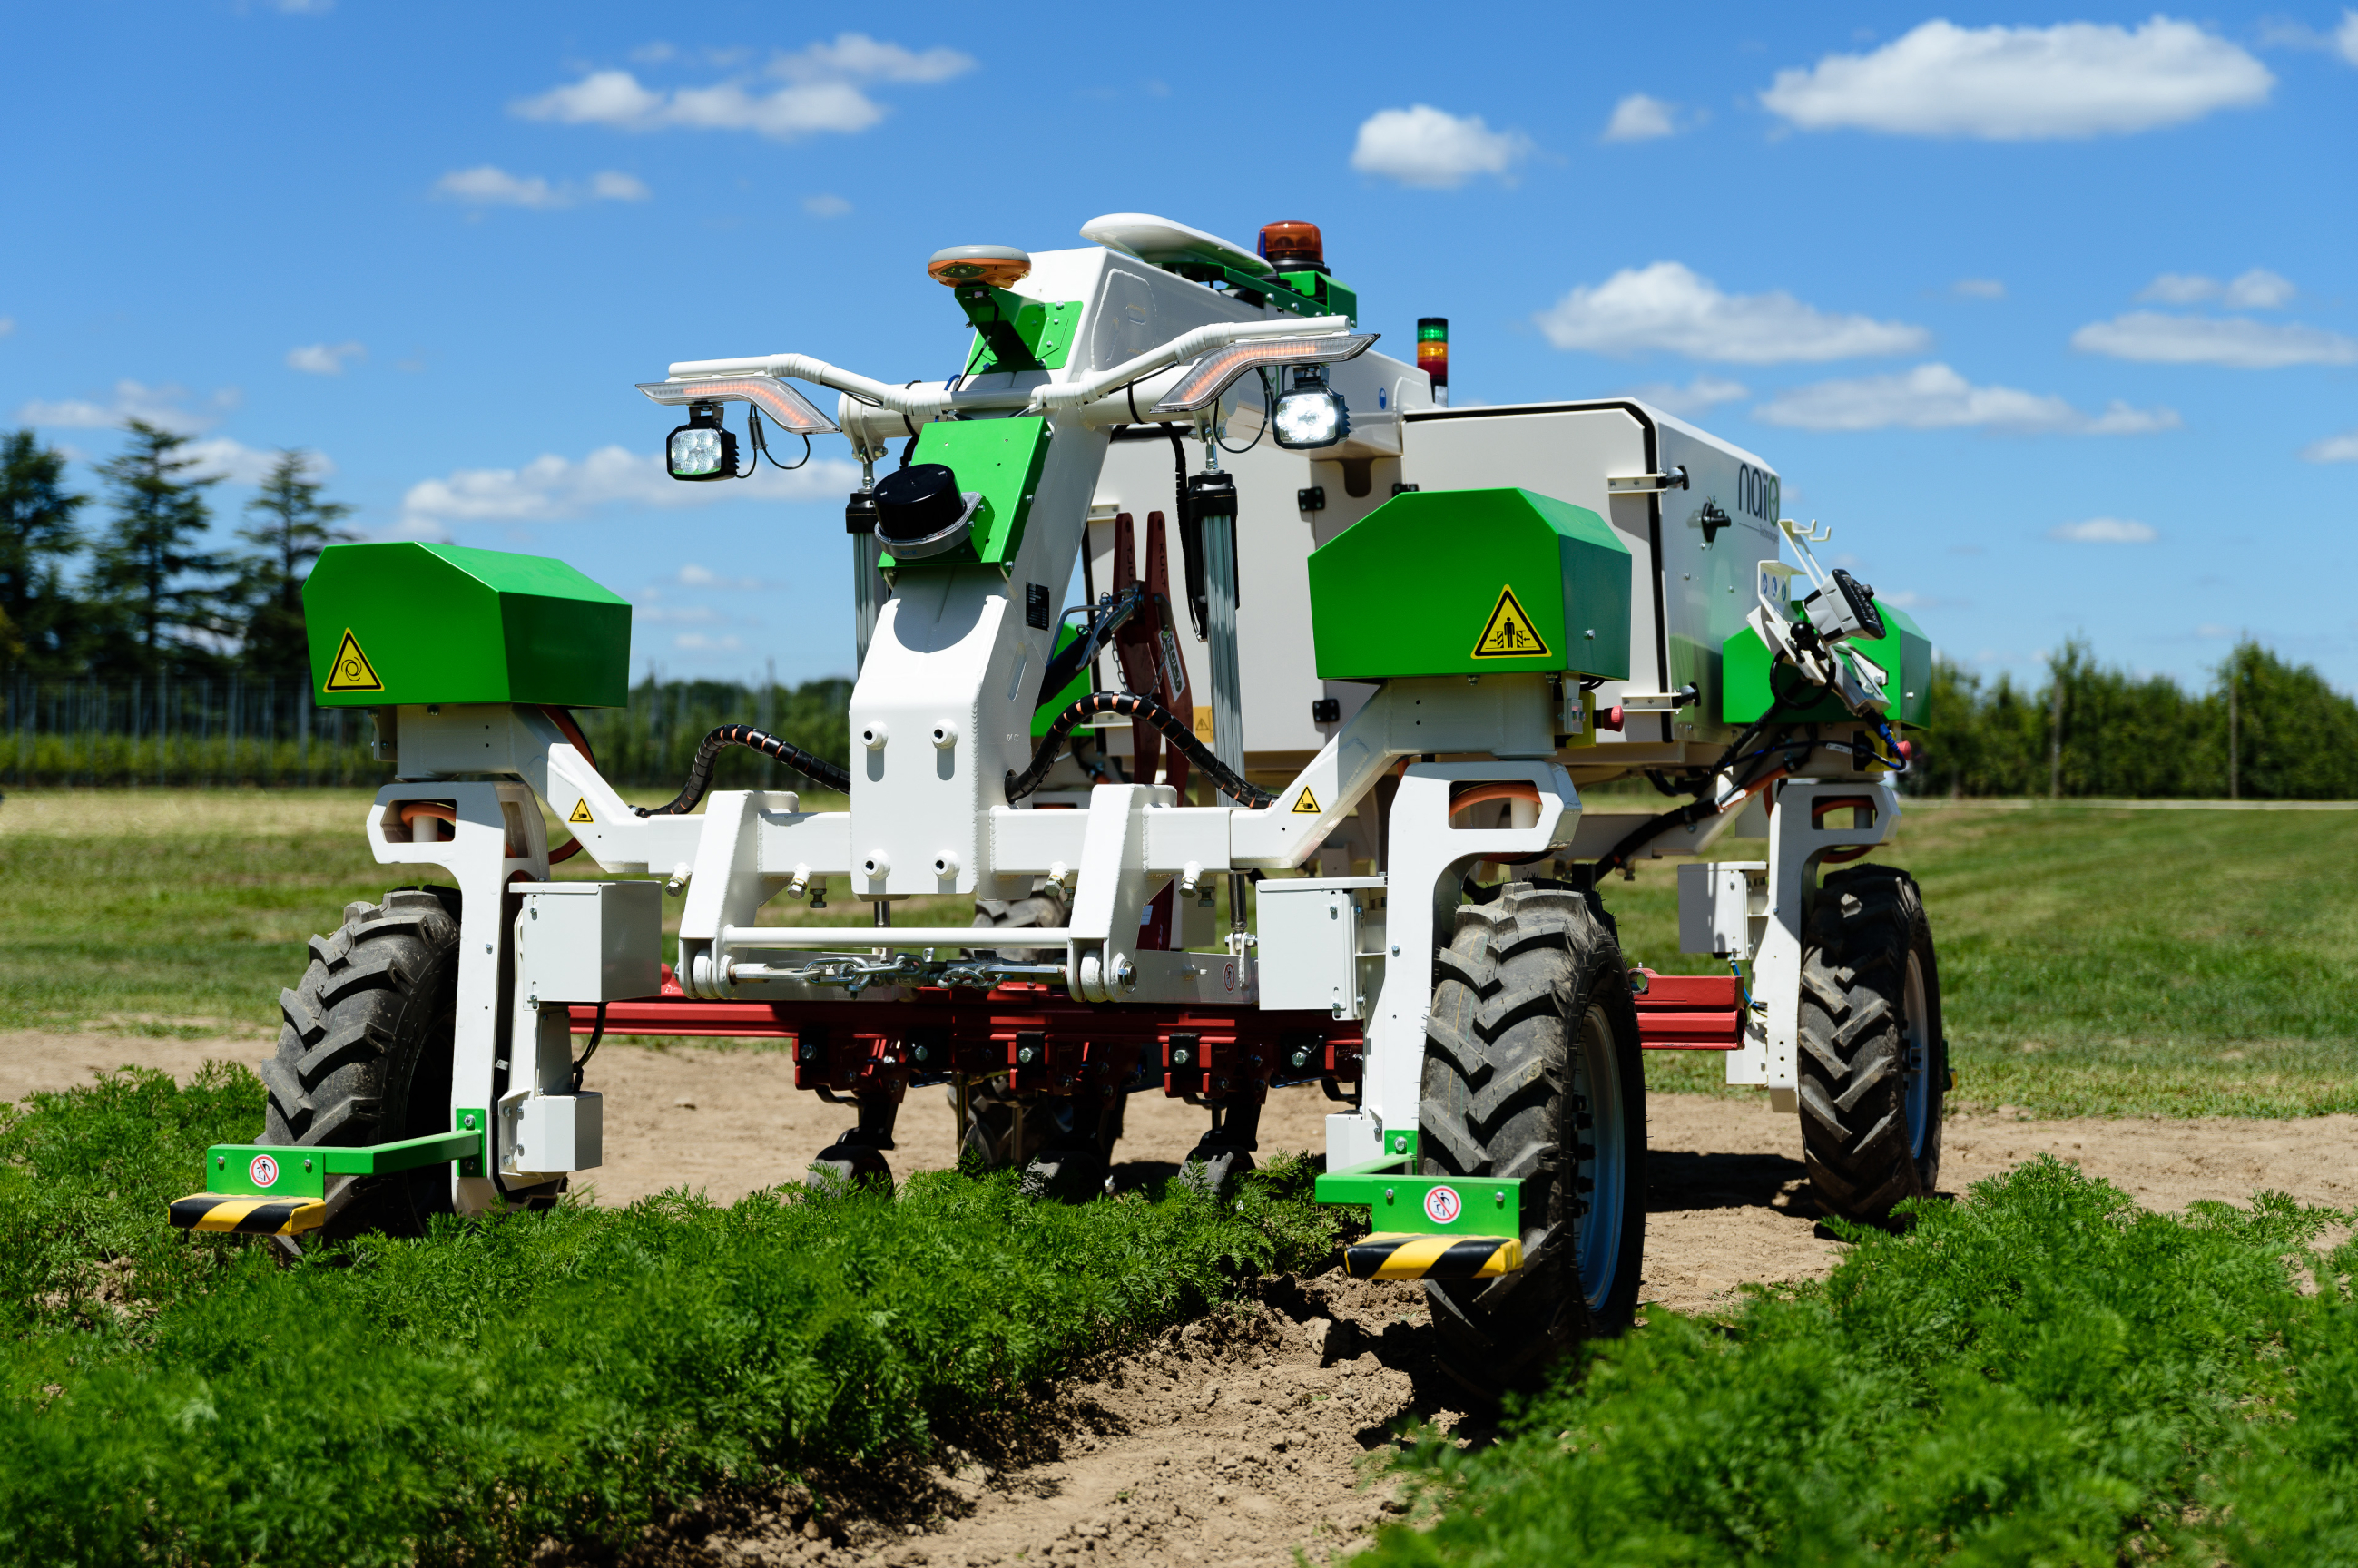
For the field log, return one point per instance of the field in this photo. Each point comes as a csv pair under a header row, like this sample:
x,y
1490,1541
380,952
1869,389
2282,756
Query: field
x,y
554,1388
2095,960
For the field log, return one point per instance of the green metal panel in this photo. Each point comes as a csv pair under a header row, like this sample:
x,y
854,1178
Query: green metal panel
x,y
1903,653
1074,690
408,623
1332,299
998,458
301,1172
1444,582
1011,332
1486,1206
1279,293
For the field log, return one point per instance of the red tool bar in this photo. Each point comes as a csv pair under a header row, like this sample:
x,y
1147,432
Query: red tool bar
x,y
1002,1014
1690,1012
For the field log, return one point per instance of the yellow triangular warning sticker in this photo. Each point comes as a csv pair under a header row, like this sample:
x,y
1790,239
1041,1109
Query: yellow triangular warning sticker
x,y
351,671
1308,805
580,812
1509,634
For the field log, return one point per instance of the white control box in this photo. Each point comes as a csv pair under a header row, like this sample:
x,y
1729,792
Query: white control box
x,y
1723,907
589,942
1322,944
550,1134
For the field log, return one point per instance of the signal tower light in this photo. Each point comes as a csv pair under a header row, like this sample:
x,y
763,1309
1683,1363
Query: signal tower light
x,y
1433,355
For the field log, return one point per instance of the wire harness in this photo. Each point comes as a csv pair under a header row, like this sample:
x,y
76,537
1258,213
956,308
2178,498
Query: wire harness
x,y
1181,736
699,773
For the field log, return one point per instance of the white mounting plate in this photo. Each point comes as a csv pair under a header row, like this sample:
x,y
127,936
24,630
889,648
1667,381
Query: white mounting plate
x,y
1162,242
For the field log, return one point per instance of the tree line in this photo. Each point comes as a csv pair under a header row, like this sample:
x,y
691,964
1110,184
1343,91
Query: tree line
x,y
143,594
2262,729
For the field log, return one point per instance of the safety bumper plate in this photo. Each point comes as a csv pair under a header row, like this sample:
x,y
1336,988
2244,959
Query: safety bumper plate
x,y
246,1215
1417,1255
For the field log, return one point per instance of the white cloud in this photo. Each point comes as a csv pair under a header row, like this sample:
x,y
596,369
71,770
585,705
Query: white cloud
x,y
323,359
2235,342
2075,79
489,186
1978,289
825,206
241,464
683,615
7,325
1667,306
697,642
2104,531
1639,118
1424,145
694,576
821,93
2258,289
1700,395
551,489
2342,449
2345,37
166,407
1935,397
858,58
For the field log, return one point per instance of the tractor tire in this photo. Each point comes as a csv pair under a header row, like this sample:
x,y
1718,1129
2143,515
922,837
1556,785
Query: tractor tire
x,y
1873,1066
364,1049
1532,1069
989,1136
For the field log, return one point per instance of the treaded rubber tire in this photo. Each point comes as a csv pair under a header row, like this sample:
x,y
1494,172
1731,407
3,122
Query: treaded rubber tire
x,y
364,1047
1533,1043
1864,1051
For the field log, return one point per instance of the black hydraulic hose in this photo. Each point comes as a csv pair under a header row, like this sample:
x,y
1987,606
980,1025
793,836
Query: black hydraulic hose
x,y
596,1035
1686,815
699,773
1108,617
1191,541
1181,738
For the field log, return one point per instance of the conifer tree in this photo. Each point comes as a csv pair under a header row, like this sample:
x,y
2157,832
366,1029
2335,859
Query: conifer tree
x,y
147,574
37,624
290,526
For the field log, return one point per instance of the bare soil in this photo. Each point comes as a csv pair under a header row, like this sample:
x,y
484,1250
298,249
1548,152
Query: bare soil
x,y
1240,1439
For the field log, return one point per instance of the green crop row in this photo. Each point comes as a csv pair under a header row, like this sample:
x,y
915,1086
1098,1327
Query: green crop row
x,y
2042,1374
465,1396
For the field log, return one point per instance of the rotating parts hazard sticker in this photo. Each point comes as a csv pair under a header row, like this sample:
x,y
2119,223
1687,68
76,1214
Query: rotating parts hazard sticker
x,y
351,671
263,1171
1443,1206
1509,633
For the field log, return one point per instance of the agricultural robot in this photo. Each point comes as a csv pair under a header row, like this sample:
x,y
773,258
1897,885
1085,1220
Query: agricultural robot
x,y
1399,641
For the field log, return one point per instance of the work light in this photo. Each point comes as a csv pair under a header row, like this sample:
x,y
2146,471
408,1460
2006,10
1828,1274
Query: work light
x,y
1309,412
702,448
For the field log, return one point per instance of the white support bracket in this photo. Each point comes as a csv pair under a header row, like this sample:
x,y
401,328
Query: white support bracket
x,y
1797,841
1425,858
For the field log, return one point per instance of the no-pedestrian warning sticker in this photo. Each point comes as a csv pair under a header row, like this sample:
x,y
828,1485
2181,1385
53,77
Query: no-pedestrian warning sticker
x,y
263,1171
1509,634
580,812
351,671
1308,805
1442,1204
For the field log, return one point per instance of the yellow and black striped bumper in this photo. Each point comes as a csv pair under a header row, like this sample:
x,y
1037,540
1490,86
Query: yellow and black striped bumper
x,y
248,1215
1415,1255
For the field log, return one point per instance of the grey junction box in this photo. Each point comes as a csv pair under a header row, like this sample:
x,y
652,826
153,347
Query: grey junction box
x,y
589,942
1322,944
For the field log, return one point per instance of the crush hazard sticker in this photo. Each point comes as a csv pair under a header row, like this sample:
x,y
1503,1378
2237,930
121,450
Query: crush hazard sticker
x,y
580,812
263,1171
351,671
1307,805
1443,1206
1509,634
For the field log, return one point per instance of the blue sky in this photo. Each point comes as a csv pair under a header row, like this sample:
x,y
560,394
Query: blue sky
x,y
2051,315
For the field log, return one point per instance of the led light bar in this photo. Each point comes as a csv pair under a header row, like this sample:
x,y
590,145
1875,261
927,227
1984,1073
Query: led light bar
x,y
793,411
1201,384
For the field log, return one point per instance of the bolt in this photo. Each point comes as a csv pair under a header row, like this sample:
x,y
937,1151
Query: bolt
x,y
1025,1055
1501,1198
221,1162
1387,1194
307,1162
1400,1143
1179,1057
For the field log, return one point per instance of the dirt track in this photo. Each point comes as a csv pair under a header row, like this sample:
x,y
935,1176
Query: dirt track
x,y
1235,1448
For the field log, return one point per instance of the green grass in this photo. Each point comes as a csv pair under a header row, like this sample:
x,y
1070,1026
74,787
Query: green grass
x,y
2093,960
2101,961
570,1375
2042,1374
